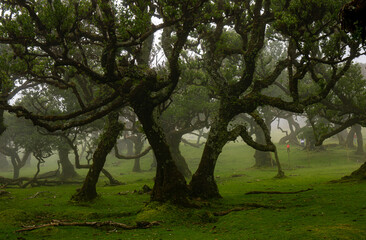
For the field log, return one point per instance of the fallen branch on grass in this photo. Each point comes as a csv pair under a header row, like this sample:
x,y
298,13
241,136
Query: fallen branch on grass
x,y
9,181
277,192
38,183
5,182
246,206
56,223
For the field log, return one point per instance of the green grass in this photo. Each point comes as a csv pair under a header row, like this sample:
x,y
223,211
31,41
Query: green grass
x,y
329,211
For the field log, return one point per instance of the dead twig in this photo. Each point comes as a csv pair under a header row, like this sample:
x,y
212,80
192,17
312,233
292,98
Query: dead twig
x,y
56,223
277,192
38,194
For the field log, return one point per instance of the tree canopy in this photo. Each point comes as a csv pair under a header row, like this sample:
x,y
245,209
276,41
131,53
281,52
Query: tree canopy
x,y
74,62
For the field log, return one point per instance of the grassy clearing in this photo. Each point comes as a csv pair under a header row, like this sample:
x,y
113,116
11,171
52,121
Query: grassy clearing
x,y
329,211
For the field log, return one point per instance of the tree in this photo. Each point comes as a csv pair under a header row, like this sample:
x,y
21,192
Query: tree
x,y
264,159
133,140
190,109
300,27
20,140
67,44
294,127
342,109
98,52
106,142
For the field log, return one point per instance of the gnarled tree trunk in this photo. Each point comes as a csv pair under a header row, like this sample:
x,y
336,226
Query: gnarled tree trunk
x,y
170,184
203,183
107,140
294,131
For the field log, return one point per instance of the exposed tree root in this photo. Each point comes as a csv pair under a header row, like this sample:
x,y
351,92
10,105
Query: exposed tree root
x,y
32,182
277,192
246,206
56,223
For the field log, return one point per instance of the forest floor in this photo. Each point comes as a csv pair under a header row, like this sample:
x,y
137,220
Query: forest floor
x,y
324,211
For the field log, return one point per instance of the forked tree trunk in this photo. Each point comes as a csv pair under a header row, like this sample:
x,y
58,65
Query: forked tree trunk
x,y
203,182
18,162
170,184
68,170
107,140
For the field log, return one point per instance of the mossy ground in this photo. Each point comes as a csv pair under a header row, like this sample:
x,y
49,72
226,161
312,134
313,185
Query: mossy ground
x,y
329,211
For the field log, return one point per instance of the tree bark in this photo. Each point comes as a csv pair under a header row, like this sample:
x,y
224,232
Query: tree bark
x,y
112,180
203,183
107,140
74,148
170,184
174,142
153,163
68,170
